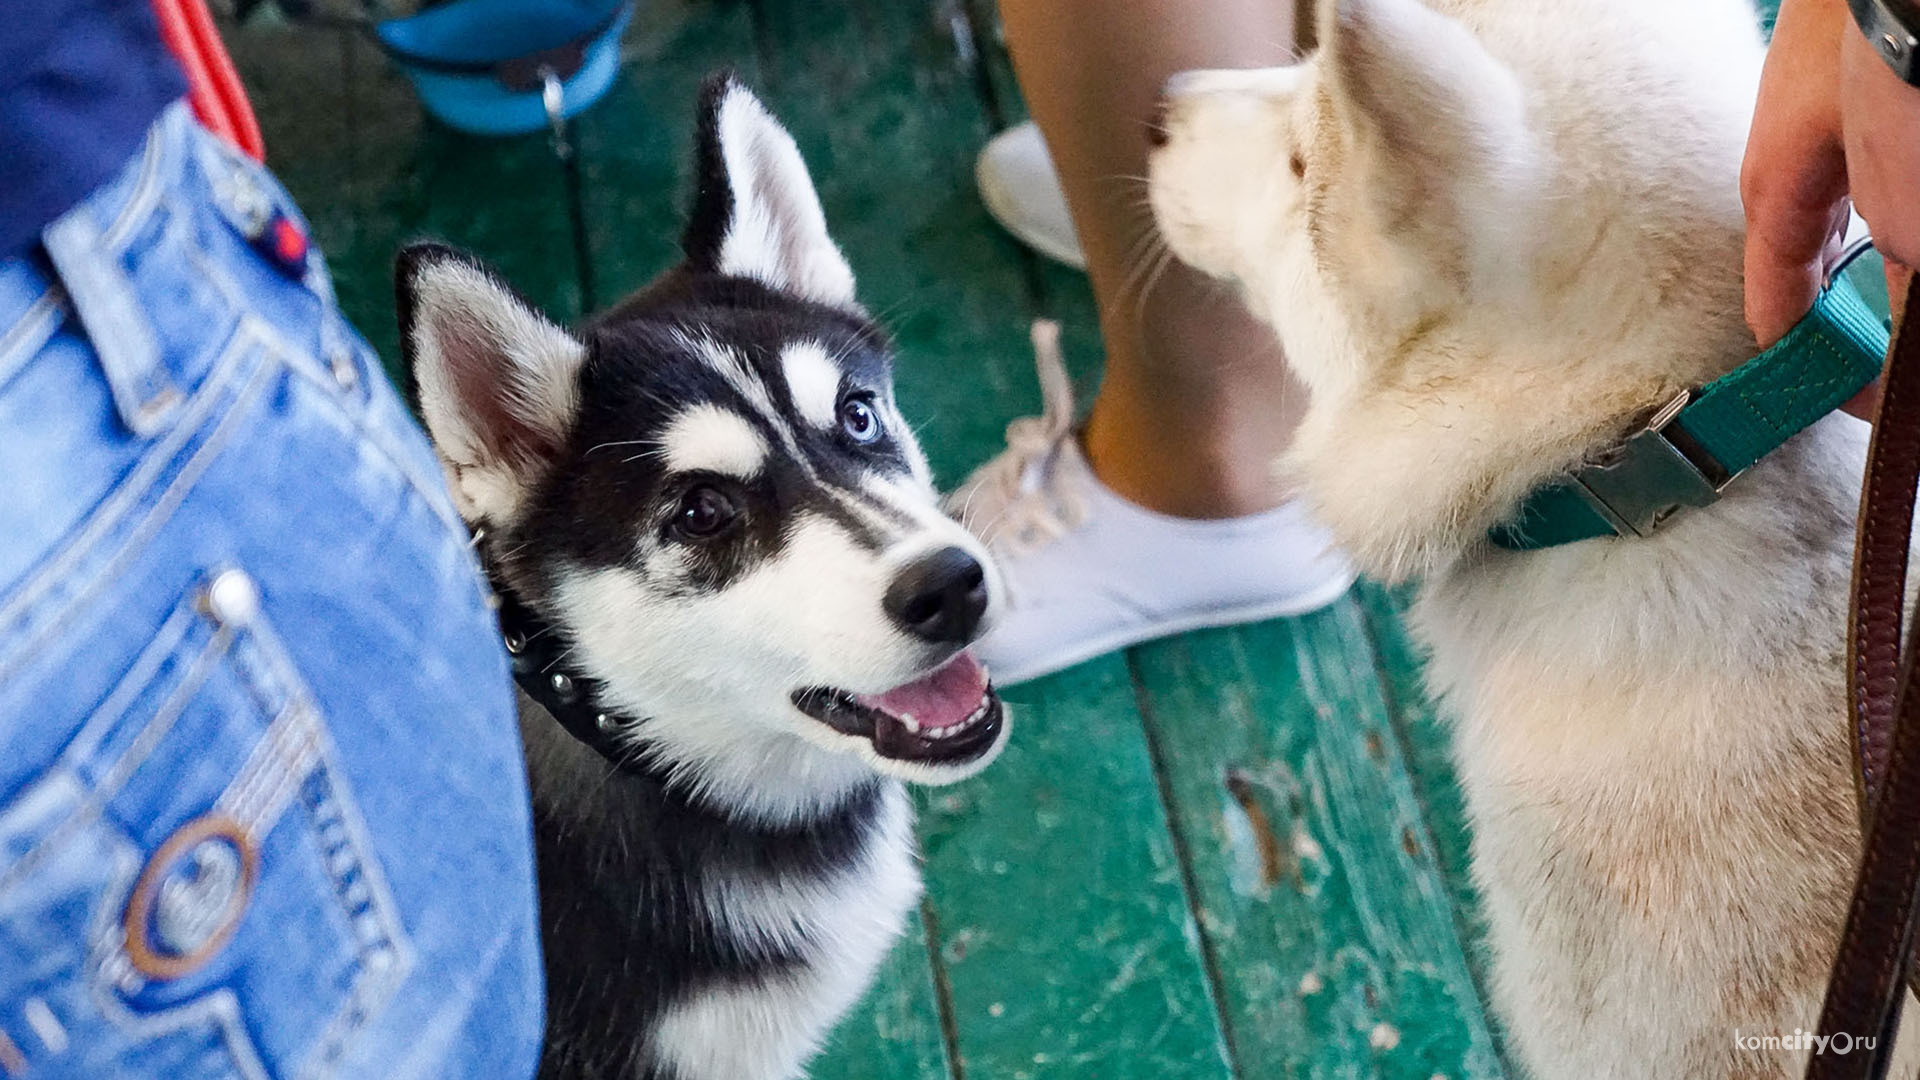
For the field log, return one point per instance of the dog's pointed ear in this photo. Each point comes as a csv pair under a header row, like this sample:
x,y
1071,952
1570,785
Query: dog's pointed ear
x,y
496,380
1419,85
1434,124
755,212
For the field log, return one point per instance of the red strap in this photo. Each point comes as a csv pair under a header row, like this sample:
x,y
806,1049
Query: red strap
x,y
213,87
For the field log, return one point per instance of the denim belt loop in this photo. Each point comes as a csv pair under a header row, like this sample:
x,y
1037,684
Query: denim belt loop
x,y
87,261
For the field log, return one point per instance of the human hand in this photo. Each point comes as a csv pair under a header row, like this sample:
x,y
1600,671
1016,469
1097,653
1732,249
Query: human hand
x,y
1832,121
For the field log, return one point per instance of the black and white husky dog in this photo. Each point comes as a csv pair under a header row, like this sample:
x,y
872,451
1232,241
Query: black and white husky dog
x,y
742,620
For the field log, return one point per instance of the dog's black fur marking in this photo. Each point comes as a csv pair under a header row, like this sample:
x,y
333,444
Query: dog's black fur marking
x,y
713,194
633,944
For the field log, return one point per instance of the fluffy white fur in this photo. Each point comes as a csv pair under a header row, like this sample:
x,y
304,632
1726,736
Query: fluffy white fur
x,y
1493,235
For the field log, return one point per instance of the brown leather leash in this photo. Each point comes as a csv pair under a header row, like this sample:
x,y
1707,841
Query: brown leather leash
x,y
1867,987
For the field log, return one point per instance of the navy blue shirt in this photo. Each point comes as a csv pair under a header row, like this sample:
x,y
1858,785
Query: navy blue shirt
x,y
80,81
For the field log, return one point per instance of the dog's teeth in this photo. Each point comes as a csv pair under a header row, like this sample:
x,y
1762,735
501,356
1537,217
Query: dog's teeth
x,y
948,731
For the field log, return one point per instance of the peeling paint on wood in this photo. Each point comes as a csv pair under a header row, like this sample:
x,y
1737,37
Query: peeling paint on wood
x,y
1426,744
1351,963
1067,934
894,1033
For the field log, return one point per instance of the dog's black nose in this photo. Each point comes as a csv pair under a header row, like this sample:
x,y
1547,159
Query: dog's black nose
x,y
941,597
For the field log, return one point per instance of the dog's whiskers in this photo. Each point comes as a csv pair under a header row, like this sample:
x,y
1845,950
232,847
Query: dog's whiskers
x,y
1148,255
644,455
1149,264
620,442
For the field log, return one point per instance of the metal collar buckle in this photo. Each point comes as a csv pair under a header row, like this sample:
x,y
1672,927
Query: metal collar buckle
x,y
1645,480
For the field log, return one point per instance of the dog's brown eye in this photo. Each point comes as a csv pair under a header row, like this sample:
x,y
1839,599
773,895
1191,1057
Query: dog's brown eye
x,y
704,513
1298,165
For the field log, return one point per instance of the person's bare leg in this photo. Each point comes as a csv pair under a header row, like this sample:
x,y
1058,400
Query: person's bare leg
x,y
1197,402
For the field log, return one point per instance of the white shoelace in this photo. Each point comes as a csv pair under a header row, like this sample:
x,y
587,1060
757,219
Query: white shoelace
x,y
1018,502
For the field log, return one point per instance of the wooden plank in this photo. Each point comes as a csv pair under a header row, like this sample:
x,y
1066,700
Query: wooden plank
x,y
502,198
1426,743
1065,928
1327,918
1066,941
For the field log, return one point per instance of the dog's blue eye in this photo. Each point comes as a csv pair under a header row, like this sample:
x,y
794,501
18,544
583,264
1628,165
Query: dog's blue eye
x,y
704,513
859,421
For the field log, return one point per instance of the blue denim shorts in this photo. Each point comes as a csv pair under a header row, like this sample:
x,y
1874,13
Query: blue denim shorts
x,y
263,812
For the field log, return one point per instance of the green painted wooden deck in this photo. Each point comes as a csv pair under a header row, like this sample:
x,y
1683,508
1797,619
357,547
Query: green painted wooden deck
x,y
1234,853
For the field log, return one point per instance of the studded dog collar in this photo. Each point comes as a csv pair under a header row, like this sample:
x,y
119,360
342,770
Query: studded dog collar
x,y
536,650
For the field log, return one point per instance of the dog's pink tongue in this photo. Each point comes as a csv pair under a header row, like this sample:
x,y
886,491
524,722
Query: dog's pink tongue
x,y
941,699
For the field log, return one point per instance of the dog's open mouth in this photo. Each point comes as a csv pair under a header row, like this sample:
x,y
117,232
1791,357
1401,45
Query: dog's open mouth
x,y
947,717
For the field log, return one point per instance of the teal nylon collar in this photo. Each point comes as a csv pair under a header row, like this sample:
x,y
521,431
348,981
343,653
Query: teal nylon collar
x,y
1698,442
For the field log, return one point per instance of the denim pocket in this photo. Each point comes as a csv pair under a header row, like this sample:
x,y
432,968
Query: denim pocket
x,y
189,890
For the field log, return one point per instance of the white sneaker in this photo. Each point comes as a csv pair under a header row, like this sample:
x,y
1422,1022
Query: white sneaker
x,y
1022,192
1088,572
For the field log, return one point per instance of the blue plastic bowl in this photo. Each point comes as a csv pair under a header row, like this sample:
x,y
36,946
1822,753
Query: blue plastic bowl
x,y
477,64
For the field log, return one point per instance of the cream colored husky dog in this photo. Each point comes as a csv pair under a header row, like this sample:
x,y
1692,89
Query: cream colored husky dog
x,y
1494,236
